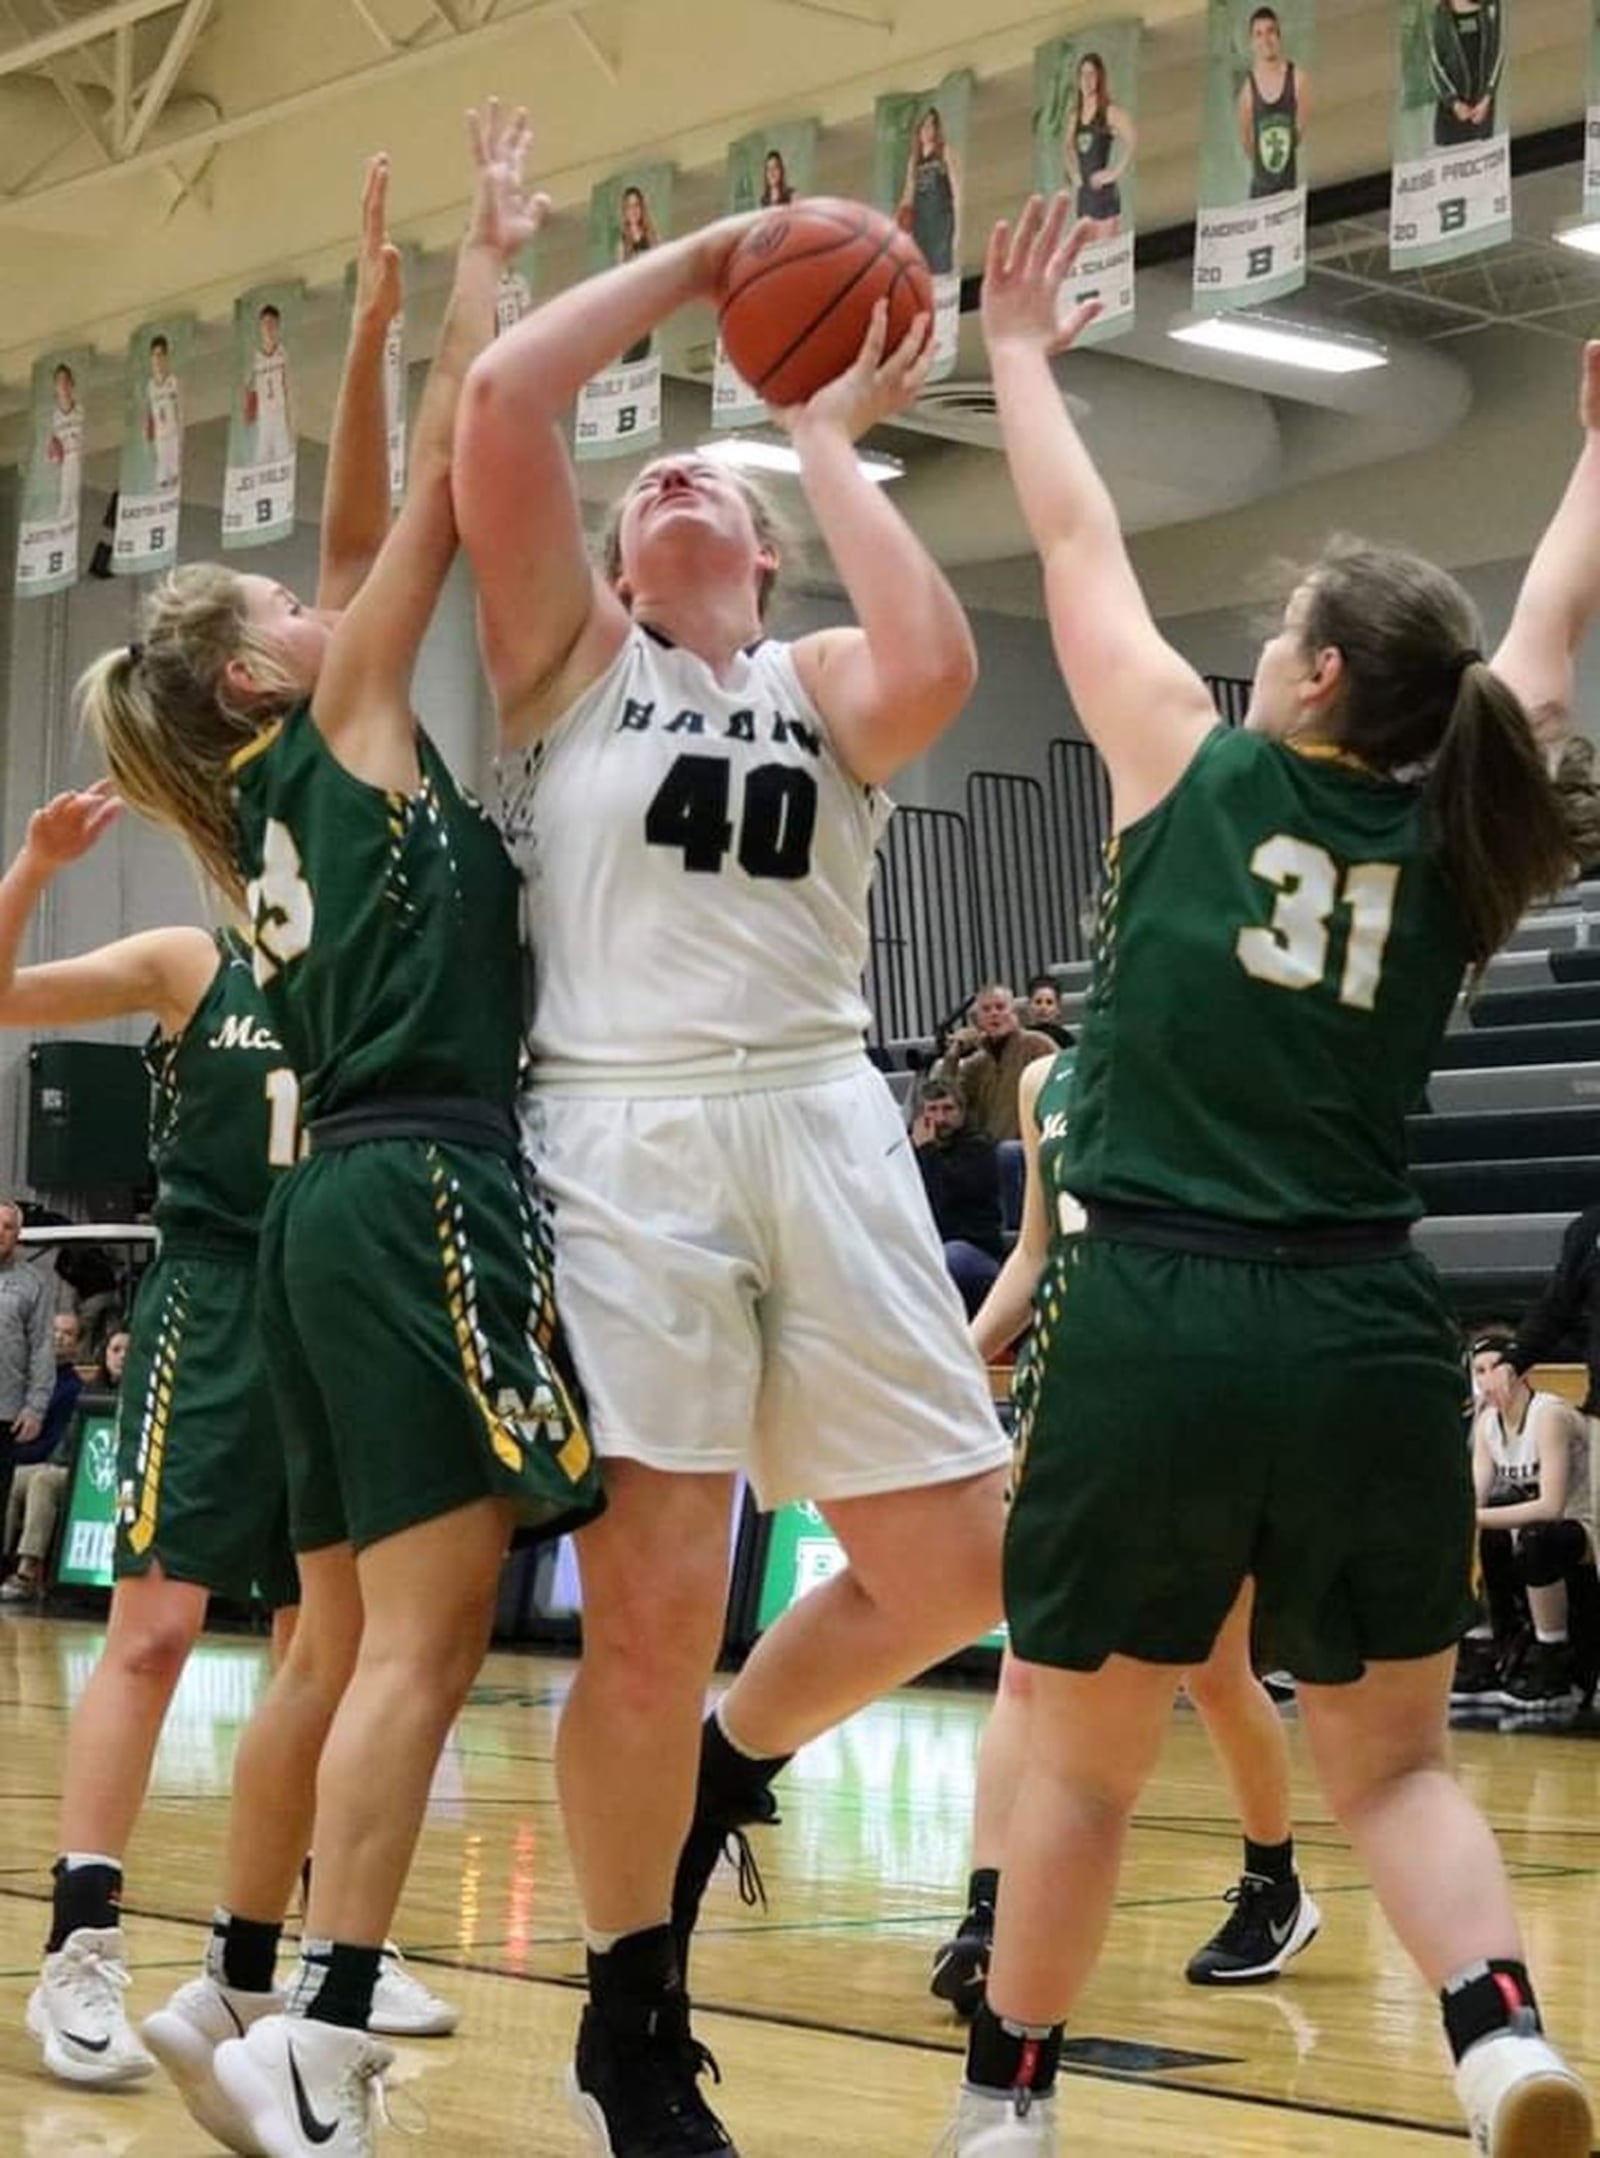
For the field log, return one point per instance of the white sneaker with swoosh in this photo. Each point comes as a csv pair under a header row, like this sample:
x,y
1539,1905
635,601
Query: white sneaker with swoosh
x,y
185,2037
76,2012
306,2090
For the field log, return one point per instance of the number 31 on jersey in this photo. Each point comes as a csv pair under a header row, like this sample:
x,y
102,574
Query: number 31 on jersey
x,y
1292,951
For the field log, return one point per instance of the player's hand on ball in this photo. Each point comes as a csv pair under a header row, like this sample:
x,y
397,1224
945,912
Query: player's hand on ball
x,y
68,826
379,291
1022,277
875,386
505,216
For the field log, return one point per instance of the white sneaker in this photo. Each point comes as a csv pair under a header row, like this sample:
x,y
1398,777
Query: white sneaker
x,y
76,2012
403,2007
1522,2100
184,2037
305,2090
989,2124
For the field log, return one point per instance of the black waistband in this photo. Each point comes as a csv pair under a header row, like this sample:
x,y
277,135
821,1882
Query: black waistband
x,y
1212,1236
450,1118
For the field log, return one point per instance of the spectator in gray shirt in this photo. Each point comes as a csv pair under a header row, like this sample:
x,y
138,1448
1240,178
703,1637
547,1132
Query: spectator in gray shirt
x,y
27,1346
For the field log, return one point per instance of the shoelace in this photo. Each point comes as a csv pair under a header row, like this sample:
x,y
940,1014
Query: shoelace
x,y
365,2090
736,1848
687,2058
90,1971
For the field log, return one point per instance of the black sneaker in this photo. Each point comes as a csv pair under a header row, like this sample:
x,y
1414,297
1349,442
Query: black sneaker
x,y
1477,1674
1269,1925
961,1966
635,2086
1543,1682
718,1830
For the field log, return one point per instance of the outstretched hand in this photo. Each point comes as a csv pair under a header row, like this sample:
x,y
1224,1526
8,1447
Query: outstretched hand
x,y
379,291
1023,273
875,386
67,827
504,216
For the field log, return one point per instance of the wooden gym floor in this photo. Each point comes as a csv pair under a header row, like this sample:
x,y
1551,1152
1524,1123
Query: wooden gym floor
x,y
828,2043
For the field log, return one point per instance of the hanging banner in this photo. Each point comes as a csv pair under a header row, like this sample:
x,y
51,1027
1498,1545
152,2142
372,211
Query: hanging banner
x,y
47,541
765,170
1085,139
514,295
918,163
1250,234
150,476
619,410
1450,194
394,373
258,488
1591,119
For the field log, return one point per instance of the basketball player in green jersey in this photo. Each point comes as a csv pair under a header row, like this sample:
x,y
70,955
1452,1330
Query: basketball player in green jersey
x,y
405,1306
1272,1919
1287,915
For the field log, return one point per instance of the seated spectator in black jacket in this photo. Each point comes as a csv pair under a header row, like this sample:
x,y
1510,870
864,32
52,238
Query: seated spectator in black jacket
x,y
1568,1310
961,1174
1043,1013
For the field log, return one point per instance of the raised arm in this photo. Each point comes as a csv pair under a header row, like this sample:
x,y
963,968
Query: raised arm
x,y
164,972
1007,1311
1560,593
549,623
363,700
1141,704
355,497
890,687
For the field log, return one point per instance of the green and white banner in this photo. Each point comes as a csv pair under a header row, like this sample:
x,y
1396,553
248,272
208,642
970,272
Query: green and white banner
x,y
394,373
919,157
1591,119
150,476
47,540
258,486
619,410
514,299
1451,189
1086,140
1250,235
765,171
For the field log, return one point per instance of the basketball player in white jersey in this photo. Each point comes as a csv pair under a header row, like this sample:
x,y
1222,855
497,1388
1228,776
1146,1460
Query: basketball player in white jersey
x,y
66,444
163,425
268,398
745,1260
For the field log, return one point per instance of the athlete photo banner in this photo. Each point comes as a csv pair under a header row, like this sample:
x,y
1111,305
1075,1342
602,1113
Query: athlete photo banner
x,y
514,296
150,475
395,382
1250,234
1086,140
619,410
1450,194
1591,119
765,170
919,154
263,424
47,541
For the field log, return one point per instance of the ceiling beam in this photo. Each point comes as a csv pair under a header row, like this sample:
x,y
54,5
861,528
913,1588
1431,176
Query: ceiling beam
x,y
121,86
66,89
870,14
388,43
159,88
605,61
72,37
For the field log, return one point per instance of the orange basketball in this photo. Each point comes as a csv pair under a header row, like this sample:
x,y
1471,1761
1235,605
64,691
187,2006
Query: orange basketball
x,y
799,289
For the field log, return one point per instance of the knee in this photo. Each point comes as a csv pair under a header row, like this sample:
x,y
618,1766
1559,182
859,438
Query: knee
x,y
154,1647
657,1638
1546,1551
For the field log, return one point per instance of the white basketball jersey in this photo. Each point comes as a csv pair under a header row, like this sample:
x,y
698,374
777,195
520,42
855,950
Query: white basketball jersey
x,y
67,429
165,409
696,864
1515,1455
269,377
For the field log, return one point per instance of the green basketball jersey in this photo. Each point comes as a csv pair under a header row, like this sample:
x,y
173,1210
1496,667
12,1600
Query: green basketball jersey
x,y
224,1110
1052,1111
385,926
1276,956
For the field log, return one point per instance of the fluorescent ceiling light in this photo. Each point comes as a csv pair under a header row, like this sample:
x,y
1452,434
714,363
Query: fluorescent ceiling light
x,y
1585,237
1287,344
755,453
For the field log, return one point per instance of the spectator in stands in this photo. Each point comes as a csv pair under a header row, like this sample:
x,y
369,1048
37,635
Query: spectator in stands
x,y
961,1175
113,1357
42,1467
27,1348
988,1058
1043,1015
1568,1308
1530,1468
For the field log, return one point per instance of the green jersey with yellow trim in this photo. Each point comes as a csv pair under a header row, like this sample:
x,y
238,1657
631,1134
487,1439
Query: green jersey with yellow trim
x,y
1052,1114
1276,955
385,926
224,1110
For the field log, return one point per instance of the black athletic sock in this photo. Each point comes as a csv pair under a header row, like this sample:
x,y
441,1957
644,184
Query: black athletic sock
x,y
335,1983
83,1897
726,1774
638,1974
983,1889
243,1954
1004,2056
1272,1862
305,1883
1487,1998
